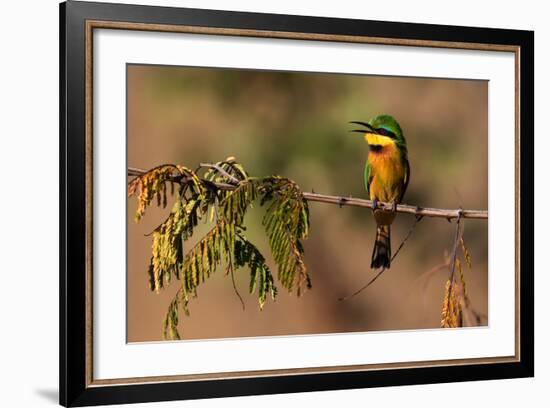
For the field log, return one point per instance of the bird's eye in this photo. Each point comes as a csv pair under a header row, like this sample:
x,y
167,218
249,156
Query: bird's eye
x,y
385,132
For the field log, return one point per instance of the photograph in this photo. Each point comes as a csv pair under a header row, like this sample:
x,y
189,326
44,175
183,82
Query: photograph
x,y
285,203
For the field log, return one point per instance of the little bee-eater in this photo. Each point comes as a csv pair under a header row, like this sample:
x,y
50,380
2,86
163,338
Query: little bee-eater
x,y
387,175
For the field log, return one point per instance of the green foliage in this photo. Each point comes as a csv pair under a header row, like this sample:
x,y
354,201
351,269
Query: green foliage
x,y
246,254
286,223
170,324
222,196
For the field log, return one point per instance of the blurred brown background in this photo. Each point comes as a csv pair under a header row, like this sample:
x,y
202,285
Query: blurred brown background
x,y
295,125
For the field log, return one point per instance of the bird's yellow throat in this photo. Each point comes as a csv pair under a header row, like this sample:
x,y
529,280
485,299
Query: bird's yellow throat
x,y
380,140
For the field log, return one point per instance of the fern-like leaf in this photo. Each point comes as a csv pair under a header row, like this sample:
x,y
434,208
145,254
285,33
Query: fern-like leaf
x,y
286,222
246,254
223,195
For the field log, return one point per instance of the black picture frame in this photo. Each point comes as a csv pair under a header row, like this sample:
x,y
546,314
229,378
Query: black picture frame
x,y
75,387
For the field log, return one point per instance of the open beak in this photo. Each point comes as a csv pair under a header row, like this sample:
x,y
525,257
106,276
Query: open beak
x,y
363,131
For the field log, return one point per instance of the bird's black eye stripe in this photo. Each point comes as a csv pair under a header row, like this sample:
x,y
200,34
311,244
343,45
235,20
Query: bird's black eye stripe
x,y
384,132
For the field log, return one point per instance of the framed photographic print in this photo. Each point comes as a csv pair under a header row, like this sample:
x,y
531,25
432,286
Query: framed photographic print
x,y
255,203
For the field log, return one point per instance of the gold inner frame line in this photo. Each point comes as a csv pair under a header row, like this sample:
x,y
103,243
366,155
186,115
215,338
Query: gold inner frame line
x,y
99,24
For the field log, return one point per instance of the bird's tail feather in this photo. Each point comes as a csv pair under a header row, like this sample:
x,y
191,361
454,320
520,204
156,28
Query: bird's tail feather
x,y
381,254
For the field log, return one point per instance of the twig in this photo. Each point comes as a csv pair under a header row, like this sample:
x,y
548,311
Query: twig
x,y
453,261
220,170
416,221
427,275
135,172
234,284
365,286
448,214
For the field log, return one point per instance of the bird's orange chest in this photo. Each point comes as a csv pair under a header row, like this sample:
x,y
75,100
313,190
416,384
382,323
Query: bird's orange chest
x,y
387,173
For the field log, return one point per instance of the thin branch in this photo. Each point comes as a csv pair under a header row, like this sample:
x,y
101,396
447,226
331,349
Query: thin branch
x,y
449,214
233,179
135,172
365,286
139,172
453,258
416,221
401,208
427,275
235,284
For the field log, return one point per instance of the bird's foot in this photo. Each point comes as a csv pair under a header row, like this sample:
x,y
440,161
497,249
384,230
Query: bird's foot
x,y
374,204
394,206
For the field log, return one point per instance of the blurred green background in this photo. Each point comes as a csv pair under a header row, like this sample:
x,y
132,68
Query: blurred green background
x,y
296,125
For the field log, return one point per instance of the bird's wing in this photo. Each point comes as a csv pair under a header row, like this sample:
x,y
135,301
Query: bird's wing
x,y
406,179
368,176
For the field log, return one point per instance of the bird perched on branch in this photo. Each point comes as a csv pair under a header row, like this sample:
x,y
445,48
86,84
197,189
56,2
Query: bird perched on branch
x,y
387,175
